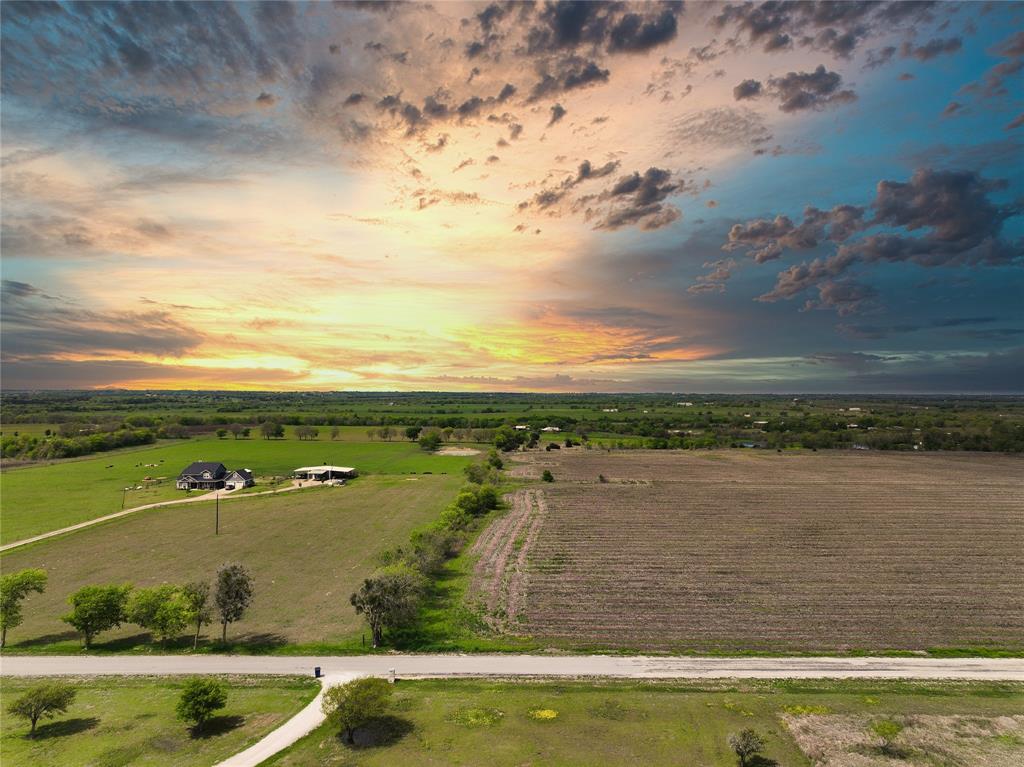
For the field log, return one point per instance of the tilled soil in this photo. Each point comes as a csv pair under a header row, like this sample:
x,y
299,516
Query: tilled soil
x,y
759,551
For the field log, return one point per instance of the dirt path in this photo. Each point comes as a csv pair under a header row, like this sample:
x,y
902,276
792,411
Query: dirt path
x,y
224,495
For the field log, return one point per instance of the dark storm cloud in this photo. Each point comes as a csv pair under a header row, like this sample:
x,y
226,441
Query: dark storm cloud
x,y
959,224
566,25
638,199
838,28
586,171
767,239
557,113
570,73
799,91
747,89
845,296
633,33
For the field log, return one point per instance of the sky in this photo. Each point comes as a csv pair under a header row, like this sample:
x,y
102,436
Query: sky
x,y
713,197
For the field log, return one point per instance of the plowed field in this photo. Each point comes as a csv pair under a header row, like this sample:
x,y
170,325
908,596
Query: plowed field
x,y
762,551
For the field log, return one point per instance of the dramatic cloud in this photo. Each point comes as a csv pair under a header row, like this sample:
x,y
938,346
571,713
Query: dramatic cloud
x,y
836,27
959,221
800,91
569,74
766,240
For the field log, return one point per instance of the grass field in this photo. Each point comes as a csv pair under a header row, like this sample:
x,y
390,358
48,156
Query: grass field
x,y
118,721
459,722
37,499
308,551
740,550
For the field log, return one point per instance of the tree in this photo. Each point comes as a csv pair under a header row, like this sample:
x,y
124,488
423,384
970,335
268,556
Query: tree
x,y
888,730
97,608
506,439
356,703
222,433
44,701
199,699
547,476
271,430
493,459
197,596
746,744
335,431
233,595
14,587
430,441
163,610
413,432
387,433
306,432
236,429
389,600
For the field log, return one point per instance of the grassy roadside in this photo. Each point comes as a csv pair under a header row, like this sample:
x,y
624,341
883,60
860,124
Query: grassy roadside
x,y
131,720
478,722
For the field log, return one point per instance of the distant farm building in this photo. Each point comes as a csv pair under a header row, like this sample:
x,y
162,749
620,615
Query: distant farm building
x,y
521,427
551,428
325,473
210,475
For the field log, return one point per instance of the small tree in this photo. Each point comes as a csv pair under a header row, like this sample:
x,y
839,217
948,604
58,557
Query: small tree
x,y
271,430
222,433
97,608
233,595
163,610
14,587
199,699
236,429
493,459
430,441
44,701
887,730
335,431
197,596
746,743
547,476
356,703
389,600
413,432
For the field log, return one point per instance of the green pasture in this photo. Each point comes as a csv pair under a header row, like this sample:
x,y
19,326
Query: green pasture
x,y
36,499
117,721
496,724
308,550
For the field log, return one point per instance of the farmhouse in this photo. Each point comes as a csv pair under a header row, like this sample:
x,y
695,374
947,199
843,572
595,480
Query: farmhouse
x,y
210,475
325,473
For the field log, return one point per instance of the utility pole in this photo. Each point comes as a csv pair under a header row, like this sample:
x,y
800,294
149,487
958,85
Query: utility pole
x,y
216,529
124,493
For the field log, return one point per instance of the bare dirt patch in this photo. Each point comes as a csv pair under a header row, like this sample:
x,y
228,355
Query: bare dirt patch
x,y
463,451
500,572
847,741
741,550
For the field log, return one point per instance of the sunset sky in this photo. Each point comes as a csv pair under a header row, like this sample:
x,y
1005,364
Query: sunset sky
x,y
551,197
